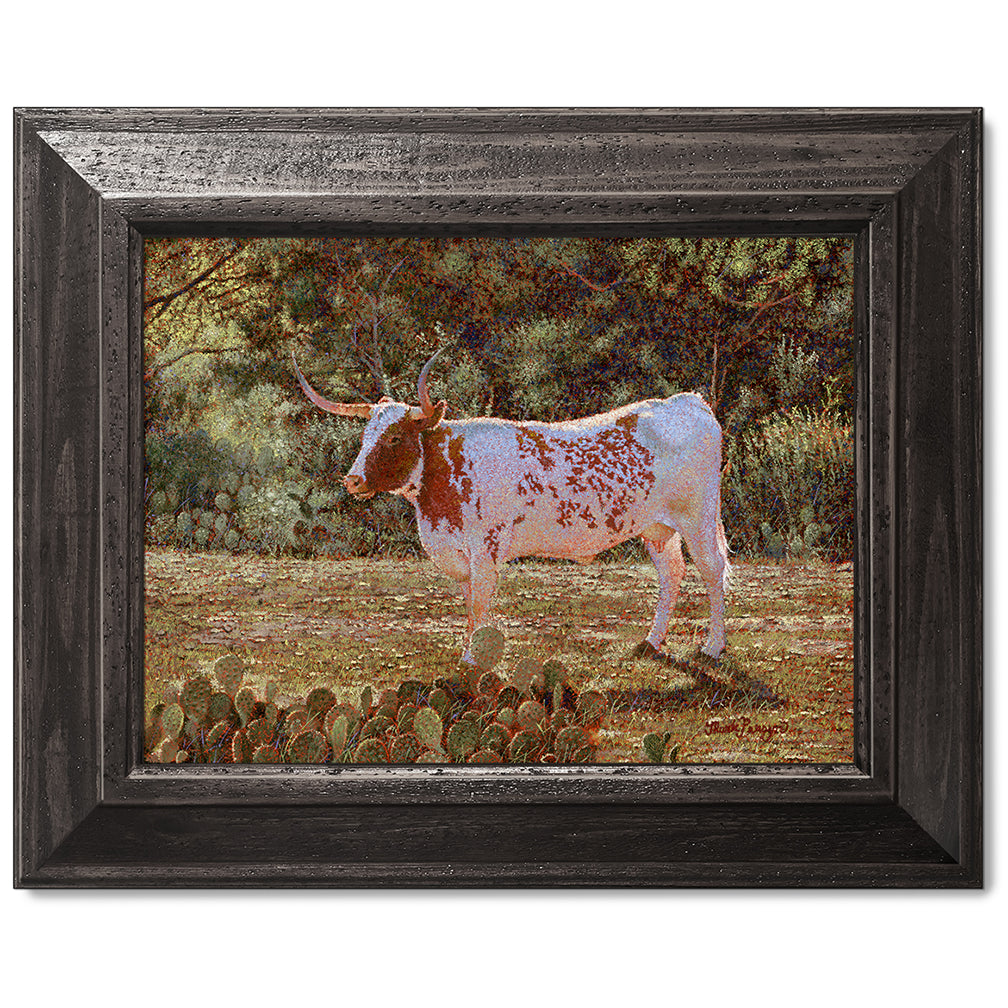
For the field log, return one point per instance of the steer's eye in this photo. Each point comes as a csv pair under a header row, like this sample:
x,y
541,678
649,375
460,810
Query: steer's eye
x,y
393,439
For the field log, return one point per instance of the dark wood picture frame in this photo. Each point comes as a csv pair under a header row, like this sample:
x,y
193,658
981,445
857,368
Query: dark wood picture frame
x,y
91,184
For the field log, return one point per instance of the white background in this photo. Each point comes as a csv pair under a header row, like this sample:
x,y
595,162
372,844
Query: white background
x,y
597,948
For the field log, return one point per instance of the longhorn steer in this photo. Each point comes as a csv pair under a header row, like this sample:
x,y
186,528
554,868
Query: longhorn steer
x,y
487,491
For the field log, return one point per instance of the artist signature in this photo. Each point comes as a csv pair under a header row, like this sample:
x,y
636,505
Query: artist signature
x,y
744,724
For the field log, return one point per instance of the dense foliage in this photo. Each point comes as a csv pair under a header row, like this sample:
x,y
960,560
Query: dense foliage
x,y
539,329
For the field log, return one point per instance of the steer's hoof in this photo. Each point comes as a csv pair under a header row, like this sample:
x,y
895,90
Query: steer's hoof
x,y
647,650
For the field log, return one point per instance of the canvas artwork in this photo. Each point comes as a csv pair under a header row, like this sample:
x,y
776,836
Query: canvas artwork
x,y
499,500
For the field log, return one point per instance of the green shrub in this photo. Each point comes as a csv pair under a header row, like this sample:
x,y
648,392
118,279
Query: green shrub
x,y
790,487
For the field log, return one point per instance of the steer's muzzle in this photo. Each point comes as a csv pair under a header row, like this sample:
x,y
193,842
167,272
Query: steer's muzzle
x,y
355,486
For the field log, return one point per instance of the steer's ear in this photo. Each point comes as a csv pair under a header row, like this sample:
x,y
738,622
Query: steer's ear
x,y
425,423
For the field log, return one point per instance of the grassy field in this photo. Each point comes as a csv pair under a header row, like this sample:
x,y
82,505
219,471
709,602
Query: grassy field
x,y
782,693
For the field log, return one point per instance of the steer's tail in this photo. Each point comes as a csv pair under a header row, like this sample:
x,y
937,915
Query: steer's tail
x,y
722,542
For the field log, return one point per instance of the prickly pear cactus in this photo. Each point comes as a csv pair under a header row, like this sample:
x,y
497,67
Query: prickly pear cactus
x,y
405,748
378,725
244,702
295,722
506,716
306,747
487,647
462,738
319,700
258,732
172,720
266,754
653,746
228,671
365,702
485,756
439,700
338,735
428,727
553,674
404,719
195,697
530,714
570,741
526,746
241,751
351,713
167,751
219,707
490,684
495,736
508,697
217,733
522,675
371,750
413,691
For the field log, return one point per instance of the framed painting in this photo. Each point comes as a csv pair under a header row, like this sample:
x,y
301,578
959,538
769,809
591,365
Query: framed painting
x,y
259,644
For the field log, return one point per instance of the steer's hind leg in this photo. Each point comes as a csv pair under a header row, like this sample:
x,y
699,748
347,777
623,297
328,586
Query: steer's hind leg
x,y
669,562
709,551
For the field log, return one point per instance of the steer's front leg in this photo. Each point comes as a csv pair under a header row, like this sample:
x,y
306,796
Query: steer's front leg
x,y
478,591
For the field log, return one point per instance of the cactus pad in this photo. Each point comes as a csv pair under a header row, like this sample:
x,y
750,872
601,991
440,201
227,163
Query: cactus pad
x,y
484,756
522,675
306,747
219,707
172,720
319,700
258,732
439,700
244,702
507,717
490,684
412,691
351,713
404,721
526,746
427,727
553,674
462,738
265,754
195,697
653,746
405,748
496,737
241,751
530,714
508,697
376,726
371,750
365,701
228,671
338,735
486,647
216,734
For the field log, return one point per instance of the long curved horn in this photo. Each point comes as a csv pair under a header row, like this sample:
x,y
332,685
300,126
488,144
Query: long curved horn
x,y
425,403
340,409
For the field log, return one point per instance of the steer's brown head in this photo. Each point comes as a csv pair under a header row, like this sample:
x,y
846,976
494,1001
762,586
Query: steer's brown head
x,y
391,456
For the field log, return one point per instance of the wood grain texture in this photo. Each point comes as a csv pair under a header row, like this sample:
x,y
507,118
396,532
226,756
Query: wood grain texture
x,y
90,184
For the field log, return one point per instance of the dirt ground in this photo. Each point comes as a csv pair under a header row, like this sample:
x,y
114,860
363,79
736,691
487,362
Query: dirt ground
x,y
782,693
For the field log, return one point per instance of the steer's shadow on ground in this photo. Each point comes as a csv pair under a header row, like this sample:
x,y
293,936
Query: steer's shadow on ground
x,y
703,683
